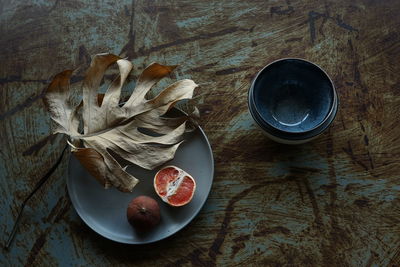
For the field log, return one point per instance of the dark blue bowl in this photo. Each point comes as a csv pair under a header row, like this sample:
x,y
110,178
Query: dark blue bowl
x,y
293,100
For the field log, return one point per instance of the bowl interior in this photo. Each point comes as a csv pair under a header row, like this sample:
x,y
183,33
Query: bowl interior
x,y
293,95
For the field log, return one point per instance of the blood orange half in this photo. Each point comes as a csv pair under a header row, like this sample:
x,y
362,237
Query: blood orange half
x,y
175,186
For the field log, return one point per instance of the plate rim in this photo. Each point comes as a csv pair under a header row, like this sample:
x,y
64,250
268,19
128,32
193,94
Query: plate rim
x,y
189,220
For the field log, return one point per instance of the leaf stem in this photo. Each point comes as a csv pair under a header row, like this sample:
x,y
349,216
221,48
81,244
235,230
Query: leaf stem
x,y
37,187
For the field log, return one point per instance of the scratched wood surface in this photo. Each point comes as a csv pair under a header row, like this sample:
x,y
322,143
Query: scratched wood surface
x,y
332,202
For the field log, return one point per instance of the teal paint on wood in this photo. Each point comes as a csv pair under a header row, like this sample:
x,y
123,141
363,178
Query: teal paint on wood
x,y
332,202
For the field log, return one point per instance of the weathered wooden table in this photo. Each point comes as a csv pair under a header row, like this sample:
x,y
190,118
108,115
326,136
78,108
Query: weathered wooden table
x,y
332,202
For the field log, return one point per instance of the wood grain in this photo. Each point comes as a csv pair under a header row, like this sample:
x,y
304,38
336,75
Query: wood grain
x,y
332,202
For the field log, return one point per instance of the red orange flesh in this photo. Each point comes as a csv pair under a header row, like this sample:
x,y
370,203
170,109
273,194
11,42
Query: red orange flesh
x,y
175,186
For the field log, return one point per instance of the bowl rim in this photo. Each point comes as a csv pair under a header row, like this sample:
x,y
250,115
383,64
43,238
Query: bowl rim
x,y
265,123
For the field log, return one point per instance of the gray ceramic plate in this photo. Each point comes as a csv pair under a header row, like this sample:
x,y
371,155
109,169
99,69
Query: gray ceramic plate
x,y
104,210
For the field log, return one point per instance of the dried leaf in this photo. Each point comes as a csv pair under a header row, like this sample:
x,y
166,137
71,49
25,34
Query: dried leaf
x,y
58,101
125,130
94,164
